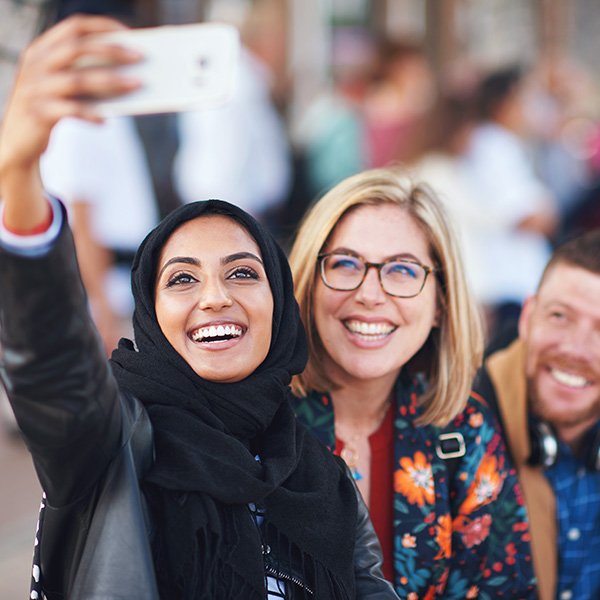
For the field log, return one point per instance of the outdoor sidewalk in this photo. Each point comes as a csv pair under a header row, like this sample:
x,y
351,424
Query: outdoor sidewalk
x,y
19,502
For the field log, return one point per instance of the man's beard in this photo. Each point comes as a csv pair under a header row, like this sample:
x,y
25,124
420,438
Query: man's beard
x,y
563,417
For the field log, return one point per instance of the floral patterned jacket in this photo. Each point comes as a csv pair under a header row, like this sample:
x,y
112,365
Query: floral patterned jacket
x,y
464,538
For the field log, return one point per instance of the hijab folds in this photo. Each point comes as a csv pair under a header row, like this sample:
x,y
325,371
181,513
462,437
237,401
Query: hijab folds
x,y
223,446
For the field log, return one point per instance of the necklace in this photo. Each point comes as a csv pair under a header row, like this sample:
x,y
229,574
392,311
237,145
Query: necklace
x,y
352,441
350,456
350,451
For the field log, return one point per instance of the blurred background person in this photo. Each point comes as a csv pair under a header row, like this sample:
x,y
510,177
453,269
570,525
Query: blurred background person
x,y
240,151
332,132
101,173
398,101
439,163
500,175
568,154
561,107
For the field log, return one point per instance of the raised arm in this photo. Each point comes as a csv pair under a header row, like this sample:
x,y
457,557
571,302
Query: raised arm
x,y
63,394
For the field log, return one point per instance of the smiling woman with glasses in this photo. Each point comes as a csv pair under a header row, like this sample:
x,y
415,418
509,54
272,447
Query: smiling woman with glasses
x,y
394,341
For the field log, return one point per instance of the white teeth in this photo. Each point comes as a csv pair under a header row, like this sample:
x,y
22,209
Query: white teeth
x,y
377,329
216,331
570,379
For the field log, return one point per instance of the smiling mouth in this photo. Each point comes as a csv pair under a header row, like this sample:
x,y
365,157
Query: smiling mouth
x,y
570,379
216,333
371,331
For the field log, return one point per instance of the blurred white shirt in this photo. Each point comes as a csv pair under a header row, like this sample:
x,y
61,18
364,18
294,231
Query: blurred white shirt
x,y
105,167
238,152
501,180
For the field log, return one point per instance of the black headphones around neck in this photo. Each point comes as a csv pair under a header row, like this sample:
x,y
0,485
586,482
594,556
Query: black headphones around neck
x,y
544,446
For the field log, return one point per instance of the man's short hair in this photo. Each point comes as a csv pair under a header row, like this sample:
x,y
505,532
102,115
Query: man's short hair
x,y
582,251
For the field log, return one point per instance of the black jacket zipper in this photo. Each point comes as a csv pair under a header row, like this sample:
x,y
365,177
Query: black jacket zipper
x,y
269,570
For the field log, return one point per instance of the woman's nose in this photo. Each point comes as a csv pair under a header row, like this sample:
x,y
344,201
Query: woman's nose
x,y
214,295
370,291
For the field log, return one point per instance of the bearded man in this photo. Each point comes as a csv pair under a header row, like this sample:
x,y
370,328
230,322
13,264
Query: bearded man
x,y
546,386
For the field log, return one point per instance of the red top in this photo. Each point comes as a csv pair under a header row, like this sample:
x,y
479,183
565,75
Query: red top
x,y
382,489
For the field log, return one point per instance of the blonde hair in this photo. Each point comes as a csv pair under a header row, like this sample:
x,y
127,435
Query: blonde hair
x,y
453,350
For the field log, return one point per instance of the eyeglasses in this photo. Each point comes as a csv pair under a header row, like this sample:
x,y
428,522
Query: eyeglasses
x,y
400,278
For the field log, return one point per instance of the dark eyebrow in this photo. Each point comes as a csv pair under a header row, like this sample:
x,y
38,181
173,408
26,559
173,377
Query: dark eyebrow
x,y
346,251
401,256
404,256
187,260
239,256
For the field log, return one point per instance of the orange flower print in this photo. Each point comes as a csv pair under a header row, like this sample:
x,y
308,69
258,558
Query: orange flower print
x,y
485,487
414,480
473,592
476,420
409,541
444,536
412,596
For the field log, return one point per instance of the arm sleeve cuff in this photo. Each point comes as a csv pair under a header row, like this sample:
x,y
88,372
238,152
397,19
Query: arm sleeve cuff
x,y
36,244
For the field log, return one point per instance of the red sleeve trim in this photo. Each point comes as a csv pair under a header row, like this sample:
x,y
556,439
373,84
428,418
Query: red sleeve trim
x,y
41,228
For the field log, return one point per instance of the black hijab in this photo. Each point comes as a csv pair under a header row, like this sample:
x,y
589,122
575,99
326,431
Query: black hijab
x,y
206,436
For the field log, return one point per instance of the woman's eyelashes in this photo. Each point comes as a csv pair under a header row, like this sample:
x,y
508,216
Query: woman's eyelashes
x,y
239,273
180,278
243,272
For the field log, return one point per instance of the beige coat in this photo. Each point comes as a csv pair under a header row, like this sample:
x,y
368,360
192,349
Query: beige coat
x,y
507,372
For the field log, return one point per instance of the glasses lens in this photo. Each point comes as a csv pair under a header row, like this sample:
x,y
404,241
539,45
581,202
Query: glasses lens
x,y
403,278
342,272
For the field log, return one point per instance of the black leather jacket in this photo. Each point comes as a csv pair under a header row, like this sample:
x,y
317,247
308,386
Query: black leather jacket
x,y
91,443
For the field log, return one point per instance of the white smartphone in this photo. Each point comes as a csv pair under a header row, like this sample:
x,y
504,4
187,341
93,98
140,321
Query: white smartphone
x,y
185,67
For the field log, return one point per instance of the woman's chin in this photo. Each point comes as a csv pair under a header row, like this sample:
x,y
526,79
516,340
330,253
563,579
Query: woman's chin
x,y
367,370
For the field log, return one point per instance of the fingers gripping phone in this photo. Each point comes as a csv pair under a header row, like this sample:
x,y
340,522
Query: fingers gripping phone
x,y
185,67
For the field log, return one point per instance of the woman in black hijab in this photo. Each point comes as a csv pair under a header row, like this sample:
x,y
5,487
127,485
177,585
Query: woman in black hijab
x,y
208,432
180,472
